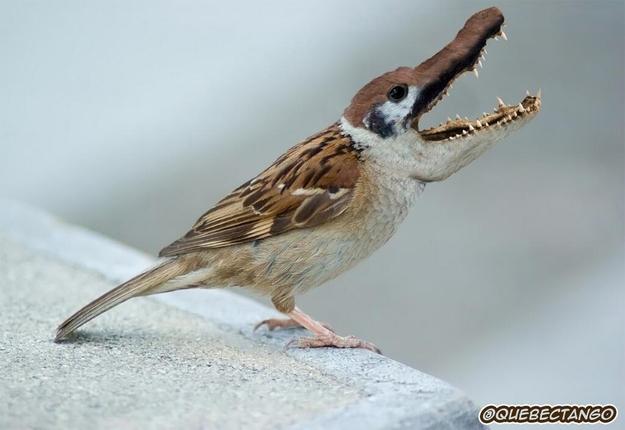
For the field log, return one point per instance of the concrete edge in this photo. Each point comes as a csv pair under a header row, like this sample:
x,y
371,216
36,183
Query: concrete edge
x,y
397,396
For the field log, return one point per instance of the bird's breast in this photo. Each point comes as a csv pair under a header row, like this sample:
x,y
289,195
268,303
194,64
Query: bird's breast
x,y
386,201
379,207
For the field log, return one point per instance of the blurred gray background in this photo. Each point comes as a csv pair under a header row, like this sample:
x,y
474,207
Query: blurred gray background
x,y
133,118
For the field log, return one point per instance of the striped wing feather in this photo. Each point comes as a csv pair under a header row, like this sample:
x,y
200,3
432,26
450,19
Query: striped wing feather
x,y
310,184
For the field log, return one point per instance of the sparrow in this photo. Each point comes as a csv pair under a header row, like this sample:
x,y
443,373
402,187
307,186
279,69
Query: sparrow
x,y
333,199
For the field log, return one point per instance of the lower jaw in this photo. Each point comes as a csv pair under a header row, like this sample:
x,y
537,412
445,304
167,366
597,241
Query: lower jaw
x,y
502,117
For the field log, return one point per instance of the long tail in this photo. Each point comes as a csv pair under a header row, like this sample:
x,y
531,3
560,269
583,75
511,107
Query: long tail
x,y
137,286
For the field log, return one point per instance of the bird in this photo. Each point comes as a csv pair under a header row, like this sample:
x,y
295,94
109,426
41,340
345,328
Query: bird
x,y
333,199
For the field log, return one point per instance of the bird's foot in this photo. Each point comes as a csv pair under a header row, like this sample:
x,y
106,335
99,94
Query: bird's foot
x,y
334,341
274,323
284,323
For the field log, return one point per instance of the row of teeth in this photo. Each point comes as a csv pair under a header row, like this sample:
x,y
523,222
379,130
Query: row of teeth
x,y
483,53
480,62
520,110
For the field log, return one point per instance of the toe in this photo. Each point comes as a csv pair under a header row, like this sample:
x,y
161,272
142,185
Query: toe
x,y
370,346
334,341
354,342
260,324
274,323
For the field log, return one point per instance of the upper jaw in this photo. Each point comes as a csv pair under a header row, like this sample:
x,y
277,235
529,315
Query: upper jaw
x,y
464,54
435,75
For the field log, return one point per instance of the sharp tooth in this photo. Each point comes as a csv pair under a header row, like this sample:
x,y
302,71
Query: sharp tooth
x,y
521,108
458,135
471,127
509,118
452,137
484,114
478,123
458,116
527,92
480,63
477,75
485,51
504,35
449,119
501,103
496,38
514,114
464,132
539,94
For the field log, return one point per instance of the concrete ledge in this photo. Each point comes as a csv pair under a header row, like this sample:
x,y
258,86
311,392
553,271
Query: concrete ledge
x,y
183,359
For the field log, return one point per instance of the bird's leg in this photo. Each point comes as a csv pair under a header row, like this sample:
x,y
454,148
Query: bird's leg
x,y
286,323
324,337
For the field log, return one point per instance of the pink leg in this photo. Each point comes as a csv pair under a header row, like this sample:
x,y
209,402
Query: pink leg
x,y
324,336
286,323
306,321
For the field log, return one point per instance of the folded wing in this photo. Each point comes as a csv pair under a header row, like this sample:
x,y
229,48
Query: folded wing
x,y
309,185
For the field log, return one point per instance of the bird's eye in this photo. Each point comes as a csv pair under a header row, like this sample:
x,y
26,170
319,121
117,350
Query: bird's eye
x,y
398,93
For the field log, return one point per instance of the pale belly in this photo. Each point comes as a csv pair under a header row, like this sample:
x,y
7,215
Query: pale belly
x,y
304,259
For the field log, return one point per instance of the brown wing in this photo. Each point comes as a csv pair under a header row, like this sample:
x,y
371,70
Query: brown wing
x,y
310,184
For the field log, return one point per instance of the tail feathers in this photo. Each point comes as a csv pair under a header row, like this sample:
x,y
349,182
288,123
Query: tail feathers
x,y
139,285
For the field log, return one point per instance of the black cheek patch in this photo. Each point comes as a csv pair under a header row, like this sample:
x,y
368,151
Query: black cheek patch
x,y
377,123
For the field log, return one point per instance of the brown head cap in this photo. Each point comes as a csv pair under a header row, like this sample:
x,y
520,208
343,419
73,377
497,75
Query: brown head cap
x,y
434,74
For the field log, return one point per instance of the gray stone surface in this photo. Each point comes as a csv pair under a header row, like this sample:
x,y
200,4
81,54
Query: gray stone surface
x,y
181,360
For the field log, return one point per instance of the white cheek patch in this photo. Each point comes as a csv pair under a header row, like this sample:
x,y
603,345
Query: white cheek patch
x,y
396,113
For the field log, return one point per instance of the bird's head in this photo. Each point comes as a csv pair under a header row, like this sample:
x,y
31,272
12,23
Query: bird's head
x,y
383,117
